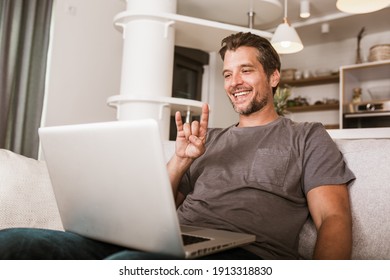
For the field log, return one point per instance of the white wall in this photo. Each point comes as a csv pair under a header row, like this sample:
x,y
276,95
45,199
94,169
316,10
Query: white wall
x,y
84,63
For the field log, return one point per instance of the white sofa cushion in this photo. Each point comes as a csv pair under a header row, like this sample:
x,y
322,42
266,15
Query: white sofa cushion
x,y
26,195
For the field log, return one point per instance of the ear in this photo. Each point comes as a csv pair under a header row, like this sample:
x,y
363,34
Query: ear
x,y
275,78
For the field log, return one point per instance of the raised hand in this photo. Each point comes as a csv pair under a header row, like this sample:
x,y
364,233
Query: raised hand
x,y
191,138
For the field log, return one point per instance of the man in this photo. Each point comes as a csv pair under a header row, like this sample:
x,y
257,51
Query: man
x,y
263,175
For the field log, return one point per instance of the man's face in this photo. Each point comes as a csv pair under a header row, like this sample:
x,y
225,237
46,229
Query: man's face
x,y
246,83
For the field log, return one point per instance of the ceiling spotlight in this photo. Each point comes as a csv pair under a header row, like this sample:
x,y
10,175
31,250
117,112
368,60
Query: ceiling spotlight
x,y
361,6
305,9
325,28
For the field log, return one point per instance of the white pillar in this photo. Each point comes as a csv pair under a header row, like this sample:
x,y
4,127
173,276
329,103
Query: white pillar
x,y
147,64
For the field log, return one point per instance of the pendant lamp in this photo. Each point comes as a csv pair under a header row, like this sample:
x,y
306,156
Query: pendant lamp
x,y
286,39
361,6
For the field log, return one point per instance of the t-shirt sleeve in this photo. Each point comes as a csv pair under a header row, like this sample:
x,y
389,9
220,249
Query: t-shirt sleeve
x,y
185,186
323,162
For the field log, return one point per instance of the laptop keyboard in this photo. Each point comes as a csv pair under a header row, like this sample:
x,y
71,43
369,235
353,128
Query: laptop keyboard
x,y
190,239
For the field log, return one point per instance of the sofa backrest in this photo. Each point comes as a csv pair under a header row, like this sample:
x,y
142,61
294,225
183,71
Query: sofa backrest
x,y
369,159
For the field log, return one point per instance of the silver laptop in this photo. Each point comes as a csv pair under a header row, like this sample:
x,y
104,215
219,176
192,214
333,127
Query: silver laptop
x,y
111,184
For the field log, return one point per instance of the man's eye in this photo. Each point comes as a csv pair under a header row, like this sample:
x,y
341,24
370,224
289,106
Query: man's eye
x,y
226,76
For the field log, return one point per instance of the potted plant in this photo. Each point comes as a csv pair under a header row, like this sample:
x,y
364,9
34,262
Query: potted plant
x,y
280,100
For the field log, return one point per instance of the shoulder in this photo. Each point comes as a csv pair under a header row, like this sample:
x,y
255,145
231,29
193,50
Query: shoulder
x,y
302,127
305,130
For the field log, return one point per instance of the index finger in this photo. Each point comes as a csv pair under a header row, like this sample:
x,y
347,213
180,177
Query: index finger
x,y
179,122
204,120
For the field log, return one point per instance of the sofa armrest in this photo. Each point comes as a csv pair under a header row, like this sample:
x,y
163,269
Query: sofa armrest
x,y
26,195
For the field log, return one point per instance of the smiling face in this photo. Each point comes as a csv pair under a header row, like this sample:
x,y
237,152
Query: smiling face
x,y
245,82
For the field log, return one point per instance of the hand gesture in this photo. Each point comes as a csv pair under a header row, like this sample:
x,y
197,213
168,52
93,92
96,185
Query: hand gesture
x,y
191,138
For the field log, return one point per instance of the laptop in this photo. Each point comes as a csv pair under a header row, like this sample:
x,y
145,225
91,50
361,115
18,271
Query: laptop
x,y
111,184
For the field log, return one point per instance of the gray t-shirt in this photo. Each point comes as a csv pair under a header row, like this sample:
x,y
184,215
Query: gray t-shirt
x,y
255,180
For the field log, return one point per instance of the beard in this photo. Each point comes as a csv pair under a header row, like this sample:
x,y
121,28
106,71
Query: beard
x,y
254,106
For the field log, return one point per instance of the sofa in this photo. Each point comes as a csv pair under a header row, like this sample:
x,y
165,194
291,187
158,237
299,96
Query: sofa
x,y
27,199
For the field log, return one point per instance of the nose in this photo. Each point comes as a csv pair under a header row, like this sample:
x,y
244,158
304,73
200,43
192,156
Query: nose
x,y
236,79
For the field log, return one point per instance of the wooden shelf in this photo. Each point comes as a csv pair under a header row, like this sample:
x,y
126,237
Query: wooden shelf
x,y
311,81
312,108
331,126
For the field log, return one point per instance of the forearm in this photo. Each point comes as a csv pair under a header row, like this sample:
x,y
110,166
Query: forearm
x,y
177,167
334,239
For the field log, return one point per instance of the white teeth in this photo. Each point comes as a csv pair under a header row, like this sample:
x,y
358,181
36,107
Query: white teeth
x,y
241,93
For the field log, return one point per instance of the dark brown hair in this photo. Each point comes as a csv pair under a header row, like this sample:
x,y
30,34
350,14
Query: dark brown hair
x,y
268,57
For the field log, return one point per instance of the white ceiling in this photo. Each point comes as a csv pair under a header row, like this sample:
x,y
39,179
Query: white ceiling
x,y
269,13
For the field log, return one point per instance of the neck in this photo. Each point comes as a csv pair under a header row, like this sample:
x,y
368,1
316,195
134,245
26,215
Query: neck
x,y
258,118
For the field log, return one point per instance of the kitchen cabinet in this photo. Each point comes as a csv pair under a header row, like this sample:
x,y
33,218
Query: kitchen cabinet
x,y
372,79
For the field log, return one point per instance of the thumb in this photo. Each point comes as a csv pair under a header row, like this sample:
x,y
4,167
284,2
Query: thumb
x,y
195,140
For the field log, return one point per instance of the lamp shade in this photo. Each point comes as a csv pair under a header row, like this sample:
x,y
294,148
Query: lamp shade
x,y
361,6
286,40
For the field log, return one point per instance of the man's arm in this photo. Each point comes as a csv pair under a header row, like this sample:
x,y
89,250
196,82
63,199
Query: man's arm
x,y
190,144
330,209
